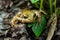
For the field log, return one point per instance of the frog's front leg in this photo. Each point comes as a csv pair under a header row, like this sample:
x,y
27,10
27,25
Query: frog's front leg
x,y
27,21
42,12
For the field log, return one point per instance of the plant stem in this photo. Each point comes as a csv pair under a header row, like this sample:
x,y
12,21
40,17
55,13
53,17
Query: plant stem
x,y
41,4
51,7
55,5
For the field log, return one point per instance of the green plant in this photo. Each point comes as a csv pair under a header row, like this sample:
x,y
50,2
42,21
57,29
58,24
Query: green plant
x,y
41,4
58,11
35,2
50,1
38,27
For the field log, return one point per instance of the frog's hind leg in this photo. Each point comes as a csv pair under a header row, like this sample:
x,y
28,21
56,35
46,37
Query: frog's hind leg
x,y
14,22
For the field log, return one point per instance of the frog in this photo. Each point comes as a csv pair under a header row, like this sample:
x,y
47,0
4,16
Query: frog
x,y
26,16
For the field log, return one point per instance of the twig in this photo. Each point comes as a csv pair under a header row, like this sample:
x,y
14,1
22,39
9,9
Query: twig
x,y
52,27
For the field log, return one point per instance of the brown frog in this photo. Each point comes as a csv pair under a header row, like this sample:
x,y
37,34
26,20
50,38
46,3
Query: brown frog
x,y
26,16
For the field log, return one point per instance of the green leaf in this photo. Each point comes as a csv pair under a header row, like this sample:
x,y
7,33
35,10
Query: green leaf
x,y
31,24
34,1
39,27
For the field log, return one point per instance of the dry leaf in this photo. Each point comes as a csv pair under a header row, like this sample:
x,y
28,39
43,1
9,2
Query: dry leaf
x,y
52,27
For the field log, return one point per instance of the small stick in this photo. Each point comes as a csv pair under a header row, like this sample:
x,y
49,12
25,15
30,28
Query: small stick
x,y
52,27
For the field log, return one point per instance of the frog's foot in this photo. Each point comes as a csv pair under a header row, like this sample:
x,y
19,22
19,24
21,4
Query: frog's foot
x,y
14,25
42,12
